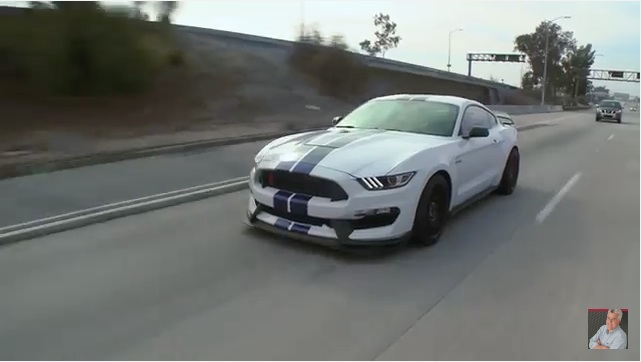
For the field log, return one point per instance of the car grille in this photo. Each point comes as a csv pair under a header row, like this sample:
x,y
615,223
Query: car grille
x,y
609,111
299,183
367,222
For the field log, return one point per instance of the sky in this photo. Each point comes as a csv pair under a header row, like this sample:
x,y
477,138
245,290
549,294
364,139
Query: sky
x,y
424,25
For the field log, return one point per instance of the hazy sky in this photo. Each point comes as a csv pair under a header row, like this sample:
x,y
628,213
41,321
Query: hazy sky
x,y
488,26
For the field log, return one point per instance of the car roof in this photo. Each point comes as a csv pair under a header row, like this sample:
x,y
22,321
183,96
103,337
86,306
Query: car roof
x,y
458,101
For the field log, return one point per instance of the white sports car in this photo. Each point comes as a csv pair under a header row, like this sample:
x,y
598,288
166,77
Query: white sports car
x,y
390,171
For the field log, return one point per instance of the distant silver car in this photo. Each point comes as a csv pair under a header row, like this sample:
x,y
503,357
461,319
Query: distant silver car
x,y
609,109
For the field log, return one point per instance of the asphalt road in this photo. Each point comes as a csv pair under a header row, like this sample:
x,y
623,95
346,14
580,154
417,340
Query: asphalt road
x,y
49,194
189,282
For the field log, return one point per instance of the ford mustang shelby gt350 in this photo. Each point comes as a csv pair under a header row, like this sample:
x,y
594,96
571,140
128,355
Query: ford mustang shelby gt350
x,y
392,170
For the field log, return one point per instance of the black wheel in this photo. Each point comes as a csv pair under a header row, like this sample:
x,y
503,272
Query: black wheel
x,y
619,120
510,173
432,212
598,119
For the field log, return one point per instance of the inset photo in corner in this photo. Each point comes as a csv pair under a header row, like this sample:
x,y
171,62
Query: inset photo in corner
x,y
607,328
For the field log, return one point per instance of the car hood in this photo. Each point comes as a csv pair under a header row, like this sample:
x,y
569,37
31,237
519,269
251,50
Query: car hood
x,y
357,152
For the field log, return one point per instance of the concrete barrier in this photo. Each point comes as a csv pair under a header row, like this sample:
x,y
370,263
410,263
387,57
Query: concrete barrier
x,y
516,110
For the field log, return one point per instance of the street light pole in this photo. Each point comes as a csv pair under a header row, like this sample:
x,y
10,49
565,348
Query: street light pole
x,y
545,61
576,91
449,48
302,16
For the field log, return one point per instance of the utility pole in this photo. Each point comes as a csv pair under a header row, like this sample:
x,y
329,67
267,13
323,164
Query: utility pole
x,y
449,48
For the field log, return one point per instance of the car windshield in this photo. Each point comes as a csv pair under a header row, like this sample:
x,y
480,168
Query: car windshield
x,y
609,104
425,117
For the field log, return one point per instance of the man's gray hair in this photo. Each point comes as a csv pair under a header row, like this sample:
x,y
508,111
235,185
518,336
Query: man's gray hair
x,y
618,312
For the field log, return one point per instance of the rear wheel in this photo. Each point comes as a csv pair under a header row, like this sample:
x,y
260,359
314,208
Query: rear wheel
x,y
510,173
432,212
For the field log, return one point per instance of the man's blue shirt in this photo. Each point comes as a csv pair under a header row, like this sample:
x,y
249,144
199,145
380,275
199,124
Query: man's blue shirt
x,y
617,339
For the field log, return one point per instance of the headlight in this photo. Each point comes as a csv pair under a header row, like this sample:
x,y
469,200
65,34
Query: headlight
x,y
386,182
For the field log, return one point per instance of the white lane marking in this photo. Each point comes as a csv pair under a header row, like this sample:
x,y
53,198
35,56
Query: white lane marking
x,y
120,203
611,137
116,210
547,210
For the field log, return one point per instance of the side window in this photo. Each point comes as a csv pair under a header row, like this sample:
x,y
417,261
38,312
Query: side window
x,y
473,117
490,120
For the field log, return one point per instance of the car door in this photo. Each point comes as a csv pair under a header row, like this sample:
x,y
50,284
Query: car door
x,y
474,155
496,161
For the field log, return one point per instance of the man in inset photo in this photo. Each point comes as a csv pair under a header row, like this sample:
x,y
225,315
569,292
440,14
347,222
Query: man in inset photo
x,y
610,335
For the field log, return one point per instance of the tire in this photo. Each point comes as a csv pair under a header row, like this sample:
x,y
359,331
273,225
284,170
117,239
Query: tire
x,y
597,119
619,120
510,173
432,212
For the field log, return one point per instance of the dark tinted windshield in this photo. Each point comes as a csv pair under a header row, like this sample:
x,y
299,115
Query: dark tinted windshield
x,y
426,117
610,104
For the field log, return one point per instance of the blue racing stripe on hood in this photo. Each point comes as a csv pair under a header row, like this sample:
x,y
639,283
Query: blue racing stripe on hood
x,y
307,163
313,158
300,139
287,165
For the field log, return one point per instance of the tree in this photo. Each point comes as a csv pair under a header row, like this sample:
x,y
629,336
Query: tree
x,y
533,45
576,67
601,89
139,12
165,10
528,81
386,37
39,5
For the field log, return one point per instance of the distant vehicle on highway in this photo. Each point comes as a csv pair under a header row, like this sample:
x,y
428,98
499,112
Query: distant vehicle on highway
x,y
609,109
633,108
393,170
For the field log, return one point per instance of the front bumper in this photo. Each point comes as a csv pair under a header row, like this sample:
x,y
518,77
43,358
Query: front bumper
x,y
608,115
388,221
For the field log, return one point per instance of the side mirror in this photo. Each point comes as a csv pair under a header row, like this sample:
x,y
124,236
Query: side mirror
x,y
336,119
478,132
509,122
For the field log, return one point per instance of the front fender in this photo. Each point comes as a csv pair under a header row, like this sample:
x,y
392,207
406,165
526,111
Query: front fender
x,y
427,166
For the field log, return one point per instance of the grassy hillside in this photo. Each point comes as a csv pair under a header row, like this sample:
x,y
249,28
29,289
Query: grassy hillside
x,y
92,72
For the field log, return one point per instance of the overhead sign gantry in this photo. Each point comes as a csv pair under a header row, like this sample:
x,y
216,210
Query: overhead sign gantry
x,y
493,57
614,75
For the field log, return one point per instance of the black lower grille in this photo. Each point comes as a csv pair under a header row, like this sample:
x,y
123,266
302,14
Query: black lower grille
x,y
367,222
303,219
299,183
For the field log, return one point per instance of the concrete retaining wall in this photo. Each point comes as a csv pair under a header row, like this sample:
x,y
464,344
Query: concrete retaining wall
x,y
515,110
432,80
